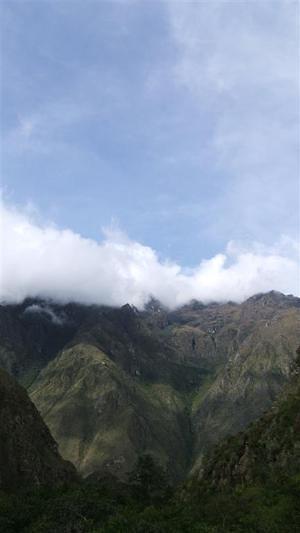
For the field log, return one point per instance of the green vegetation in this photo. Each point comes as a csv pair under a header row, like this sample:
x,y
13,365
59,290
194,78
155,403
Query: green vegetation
x,y
146,505
249,484
268,450
122,396
198,396
112,384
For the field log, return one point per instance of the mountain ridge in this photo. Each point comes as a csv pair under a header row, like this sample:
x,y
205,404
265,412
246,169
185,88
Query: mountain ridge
x,y
190,376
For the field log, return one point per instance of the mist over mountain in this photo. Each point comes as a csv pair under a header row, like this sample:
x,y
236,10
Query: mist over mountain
x,y
113,383
141,401
149,267
41,260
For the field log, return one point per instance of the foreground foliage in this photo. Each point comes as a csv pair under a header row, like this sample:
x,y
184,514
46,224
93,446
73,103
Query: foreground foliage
x,y
146,505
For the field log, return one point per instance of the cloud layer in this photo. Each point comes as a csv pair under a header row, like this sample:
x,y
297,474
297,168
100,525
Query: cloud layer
x,y
59,264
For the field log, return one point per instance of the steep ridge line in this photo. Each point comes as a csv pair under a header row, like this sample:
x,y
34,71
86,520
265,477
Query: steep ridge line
x,y
170,383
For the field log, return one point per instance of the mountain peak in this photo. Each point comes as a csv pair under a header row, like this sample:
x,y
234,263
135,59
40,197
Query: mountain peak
x,y
274,297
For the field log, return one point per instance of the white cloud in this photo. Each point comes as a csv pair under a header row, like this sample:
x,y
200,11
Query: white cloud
x,y
45,310
60,264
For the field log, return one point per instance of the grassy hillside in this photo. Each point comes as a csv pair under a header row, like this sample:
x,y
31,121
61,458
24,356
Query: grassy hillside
x,y
114,383
103,418
267,452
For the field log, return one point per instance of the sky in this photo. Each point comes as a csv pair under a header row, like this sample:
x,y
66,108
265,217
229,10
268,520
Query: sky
x,y
157,142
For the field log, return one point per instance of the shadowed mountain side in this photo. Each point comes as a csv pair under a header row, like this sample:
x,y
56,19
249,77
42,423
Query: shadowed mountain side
x,y
33,332
268,451
129,339
28,453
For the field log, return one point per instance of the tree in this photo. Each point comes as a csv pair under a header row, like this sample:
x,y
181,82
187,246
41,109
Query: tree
x,y
148,481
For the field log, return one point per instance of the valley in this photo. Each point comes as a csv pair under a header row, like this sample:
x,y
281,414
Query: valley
x,y
114,383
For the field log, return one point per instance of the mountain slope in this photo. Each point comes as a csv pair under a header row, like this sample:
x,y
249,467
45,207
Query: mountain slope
x,y
28,453
103,418
171,383
256,370
267,451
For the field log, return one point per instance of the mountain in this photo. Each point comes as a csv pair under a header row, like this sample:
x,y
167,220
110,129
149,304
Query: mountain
x,y
32,333
112,383
28,453
103,418
267,451
261,343
250,482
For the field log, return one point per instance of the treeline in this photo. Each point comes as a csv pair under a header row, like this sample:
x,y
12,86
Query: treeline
x,y
148,504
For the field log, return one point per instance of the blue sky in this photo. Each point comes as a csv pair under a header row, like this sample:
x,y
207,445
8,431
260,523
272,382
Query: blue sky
x,y
175,121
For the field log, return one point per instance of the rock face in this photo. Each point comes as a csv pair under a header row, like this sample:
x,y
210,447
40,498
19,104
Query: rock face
x,y
258,363
267,451
119,382
28,453
32,333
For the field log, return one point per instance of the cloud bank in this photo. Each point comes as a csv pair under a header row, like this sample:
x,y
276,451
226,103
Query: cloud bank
x,y
44,261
